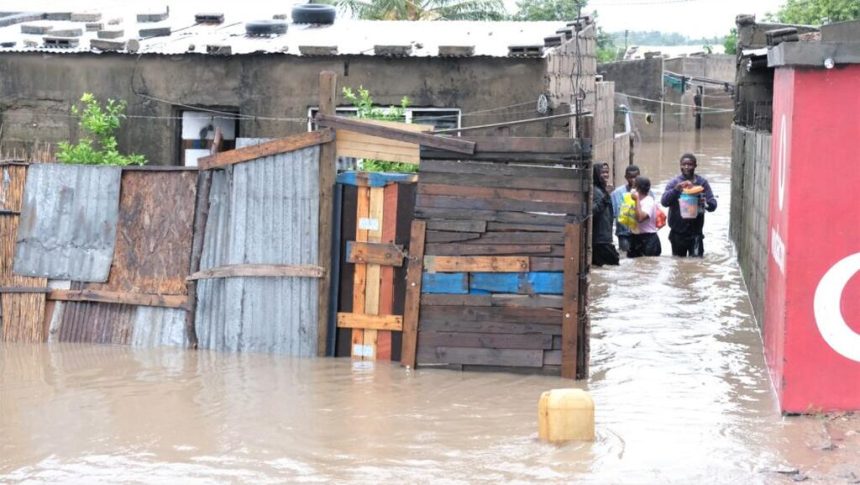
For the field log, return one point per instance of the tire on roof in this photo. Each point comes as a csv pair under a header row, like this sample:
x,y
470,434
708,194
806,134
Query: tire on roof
x,y
313,13
265,27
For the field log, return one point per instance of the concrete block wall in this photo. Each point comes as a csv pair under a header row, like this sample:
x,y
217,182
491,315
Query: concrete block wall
x,y
563,76
640,78
751,162
276,90
604,122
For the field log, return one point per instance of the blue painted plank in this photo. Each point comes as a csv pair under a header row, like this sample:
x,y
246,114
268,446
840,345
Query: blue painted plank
x,y
536,282
373,179
452,283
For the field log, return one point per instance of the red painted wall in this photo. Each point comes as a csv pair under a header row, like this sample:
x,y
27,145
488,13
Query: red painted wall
x,y
812,319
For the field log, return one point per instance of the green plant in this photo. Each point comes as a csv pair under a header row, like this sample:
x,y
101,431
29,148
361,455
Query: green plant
x,y
97,145
363,102
816,12
731,42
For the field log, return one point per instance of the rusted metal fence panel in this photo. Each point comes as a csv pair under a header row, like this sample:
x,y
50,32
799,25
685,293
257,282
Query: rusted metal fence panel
x,y
108,323
265,211
68,222
154,232
21,314
99,323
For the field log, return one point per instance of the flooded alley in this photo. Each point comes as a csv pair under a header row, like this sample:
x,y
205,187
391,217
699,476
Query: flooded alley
x,y
677,373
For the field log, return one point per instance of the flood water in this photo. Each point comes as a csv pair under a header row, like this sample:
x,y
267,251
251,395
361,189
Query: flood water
x,y
677,373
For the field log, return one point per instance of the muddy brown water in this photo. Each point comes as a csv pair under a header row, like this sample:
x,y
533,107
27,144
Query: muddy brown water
x,y
678,377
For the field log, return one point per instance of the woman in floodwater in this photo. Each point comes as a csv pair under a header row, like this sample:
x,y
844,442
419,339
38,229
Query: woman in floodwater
x,y
602,249
644,241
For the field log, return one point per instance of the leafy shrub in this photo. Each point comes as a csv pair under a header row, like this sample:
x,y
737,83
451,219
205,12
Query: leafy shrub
x,y
97,145
364,103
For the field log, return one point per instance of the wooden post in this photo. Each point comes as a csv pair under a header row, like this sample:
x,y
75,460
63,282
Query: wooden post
x,y
201,216
570,303
371,305
359,282
413,294
386,276
327,173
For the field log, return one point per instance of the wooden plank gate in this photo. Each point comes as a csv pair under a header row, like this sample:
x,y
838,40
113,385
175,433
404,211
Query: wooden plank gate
x,y
498,258
376,214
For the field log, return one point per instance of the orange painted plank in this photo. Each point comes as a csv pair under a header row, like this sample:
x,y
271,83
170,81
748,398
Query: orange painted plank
x,y
386,283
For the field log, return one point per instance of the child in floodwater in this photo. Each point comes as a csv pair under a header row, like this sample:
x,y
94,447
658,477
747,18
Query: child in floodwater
x,y
644,241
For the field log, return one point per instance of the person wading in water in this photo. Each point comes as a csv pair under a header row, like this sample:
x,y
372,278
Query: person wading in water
x,y
686,235
602,249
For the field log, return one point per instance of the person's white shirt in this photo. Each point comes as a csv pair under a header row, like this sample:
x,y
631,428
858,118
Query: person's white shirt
x,y
649,206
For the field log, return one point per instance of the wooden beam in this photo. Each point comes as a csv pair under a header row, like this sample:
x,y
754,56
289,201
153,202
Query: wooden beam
x,y
443,143
570,317
374,271
413,294
487,264
24,289
359,281
201,217
282,145
385,254
327,175
127,298
391,194
260,270
369,322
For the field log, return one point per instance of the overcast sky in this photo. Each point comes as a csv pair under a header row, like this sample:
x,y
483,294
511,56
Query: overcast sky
x,y
694,18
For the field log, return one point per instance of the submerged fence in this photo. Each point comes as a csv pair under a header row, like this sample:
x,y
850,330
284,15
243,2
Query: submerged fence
x,y
234,255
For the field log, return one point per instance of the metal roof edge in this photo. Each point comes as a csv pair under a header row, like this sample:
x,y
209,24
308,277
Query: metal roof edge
x,y
813,54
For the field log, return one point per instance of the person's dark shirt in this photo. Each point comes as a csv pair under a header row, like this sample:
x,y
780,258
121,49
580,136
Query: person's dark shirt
x,y
602,210
670,199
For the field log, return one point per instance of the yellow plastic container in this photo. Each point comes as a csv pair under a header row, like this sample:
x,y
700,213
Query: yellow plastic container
x,y
565,415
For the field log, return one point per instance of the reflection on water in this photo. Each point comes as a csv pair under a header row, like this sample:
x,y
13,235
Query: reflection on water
x,y
678,377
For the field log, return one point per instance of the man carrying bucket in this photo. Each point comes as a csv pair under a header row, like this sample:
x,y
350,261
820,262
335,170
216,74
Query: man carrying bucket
x,y
688,196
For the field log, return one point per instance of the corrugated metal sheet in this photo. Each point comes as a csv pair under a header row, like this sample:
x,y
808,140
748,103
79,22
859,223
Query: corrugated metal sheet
x,y
350,37
155,327
249,142
264,211
99,323
68,222
154,233
106,323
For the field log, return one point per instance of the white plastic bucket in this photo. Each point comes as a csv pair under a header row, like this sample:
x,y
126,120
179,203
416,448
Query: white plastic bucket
x,y
689,205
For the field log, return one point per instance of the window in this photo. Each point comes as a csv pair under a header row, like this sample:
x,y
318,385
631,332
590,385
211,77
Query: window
x,y
198,132
439,118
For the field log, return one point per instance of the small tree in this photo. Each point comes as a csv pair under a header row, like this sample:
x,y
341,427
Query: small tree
x,y
97,145
364,103
817,12
730,44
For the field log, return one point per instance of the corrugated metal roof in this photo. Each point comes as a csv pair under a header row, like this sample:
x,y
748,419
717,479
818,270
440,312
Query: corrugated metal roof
x,y
265,211
349,36
68,222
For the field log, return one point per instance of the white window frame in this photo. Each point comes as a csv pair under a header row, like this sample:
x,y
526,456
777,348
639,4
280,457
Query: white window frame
x,y
408,112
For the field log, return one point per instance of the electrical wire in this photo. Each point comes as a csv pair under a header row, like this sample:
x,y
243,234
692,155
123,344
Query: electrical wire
x,y
669,103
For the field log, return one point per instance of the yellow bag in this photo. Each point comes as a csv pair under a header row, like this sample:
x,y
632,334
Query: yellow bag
x,y
627,213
